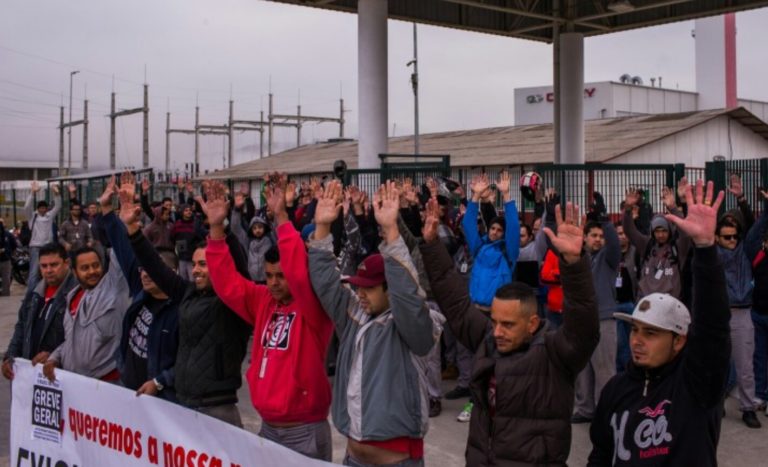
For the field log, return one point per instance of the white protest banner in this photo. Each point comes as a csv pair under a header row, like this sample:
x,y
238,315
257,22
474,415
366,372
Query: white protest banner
x,y
79,421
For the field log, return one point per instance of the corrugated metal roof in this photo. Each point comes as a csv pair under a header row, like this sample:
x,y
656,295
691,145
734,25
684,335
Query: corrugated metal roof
x,y
533,19
514,145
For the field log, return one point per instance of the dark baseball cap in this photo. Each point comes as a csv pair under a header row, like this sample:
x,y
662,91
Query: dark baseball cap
x,y
370,272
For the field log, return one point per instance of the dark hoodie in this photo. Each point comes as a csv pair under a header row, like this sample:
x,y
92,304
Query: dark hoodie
x,y
671,415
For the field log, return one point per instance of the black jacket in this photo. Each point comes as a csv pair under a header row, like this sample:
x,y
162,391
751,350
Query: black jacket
x,y
535,384
163,335
671,415
212,339
21,344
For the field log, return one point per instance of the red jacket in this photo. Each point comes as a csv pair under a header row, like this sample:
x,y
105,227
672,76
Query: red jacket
x,y
550,275
286,376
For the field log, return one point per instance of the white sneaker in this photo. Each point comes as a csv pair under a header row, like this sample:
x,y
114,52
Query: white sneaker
x,y
465,413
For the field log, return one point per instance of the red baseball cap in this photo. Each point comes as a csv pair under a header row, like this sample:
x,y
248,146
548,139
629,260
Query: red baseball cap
x,y
370,272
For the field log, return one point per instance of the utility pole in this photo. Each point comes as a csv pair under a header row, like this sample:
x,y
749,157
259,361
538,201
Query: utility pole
x,y
113,115
69,129
415,85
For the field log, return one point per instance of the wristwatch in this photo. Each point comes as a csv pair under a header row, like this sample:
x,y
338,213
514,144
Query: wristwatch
x,y
158,384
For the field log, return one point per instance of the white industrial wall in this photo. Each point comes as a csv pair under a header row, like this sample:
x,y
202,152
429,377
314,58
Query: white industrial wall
x,y
698,145
757,108
633,100
604,100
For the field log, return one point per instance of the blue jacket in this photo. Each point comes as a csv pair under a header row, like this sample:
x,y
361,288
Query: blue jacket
x,y
163,337
493,262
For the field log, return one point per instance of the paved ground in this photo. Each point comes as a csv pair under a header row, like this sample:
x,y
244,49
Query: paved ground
x,y
445,443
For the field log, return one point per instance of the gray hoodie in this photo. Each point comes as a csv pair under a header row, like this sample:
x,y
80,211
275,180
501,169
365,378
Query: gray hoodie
x,y
92,336
256,247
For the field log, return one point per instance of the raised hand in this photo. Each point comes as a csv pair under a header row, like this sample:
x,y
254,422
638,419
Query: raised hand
x,y
736,188
570,234
432,221
701,220
55,189
503,184
105,200
145,186
35,186
72,188
431,186
479,186
327,209
276,203
631,197
129,212
386,208
239,200
668,198
216,208
290,193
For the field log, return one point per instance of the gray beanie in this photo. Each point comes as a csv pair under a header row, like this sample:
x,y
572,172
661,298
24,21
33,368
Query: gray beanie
x,y
659,222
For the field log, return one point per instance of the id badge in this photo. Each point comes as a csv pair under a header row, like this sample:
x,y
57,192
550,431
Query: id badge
x,y
463,268
619,282
659,273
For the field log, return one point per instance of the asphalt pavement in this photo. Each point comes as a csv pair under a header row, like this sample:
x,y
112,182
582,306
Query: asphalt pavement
x,y
446,440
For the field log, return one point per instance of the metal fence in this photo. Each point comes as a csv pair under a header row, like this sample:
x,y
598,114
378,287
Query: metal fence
x,y
754,177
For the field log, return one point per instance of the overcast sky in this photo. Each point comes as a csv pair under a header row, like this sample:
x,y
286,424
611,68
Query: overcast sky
x,y
196,50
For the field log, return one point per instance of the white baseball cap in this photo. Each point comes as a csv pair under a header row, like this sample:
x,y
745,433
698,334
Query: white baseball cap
x,y
662,311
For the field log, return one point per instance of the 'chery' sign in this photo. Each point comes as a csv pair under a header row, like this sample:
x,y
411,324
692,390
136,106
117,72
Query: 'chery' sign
x,y
550,96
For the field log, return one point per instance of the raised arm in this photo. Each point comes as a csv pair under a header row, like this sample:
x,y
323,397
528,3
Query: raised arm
x,y
338,300
452,293
636,238
118,238
236,220
612,245
239,294
753,243
146,255
708,351
577,338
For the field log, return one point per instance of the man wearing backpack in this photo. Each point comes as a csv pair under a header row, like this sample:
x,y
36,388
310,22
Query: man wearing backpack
x,y
663,253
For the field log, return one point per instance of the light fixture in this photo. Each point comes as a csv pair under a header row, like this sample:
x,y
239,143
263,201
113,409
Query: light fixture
x,y
620,6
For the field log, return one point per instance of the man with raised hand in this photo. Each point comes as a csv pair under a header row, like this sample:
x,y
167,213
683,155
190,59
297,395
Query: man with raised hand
x,y
524,372
667,407
381,402
41,222
286,376
213,341
150,337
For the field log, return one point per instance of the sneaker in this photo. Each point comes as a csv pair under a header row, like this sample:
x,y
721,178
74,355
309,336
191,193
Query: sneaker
x,y
435,407
750,419
450,372
465,413
457,393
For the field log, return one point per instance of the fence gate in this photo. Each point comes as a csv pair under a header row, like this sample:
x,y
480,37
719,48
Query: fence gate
x,y
754,177
577,183
399,166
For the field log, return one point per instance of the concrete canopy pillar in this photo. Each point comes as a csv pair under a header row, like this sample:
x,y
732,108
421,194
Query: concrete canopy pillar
x,y
571,128
372,72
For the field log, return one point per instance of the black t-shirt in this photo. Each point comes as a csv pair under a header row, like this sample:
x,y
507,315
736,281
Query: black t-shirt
x,y
135,370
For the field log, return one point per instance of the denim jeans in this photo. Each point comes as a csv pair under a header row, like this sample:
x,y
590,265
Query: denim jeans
x,y
623,328
760,359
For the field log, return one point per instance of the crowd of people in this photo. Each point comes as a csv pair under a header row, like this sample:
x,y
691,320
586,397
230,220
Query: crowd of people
x,y
359,305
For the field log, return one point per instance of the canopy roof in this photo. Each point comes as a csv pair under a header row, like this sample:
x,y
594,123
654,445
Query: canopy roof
x,y
533,19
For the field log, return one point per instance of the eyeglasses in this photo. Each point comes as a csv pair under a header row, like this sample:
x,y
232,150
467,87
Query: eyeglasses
x,y
729,237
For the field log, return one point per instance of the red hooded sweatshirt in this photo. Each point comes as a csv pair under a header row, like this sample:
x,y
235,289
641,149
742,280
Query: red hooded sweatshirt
x,y
286,376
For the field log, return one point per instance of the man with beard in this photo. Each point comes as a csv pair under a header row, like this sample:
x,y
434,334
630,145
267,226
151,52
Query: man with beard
x,y
75,233
40,329
212,339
